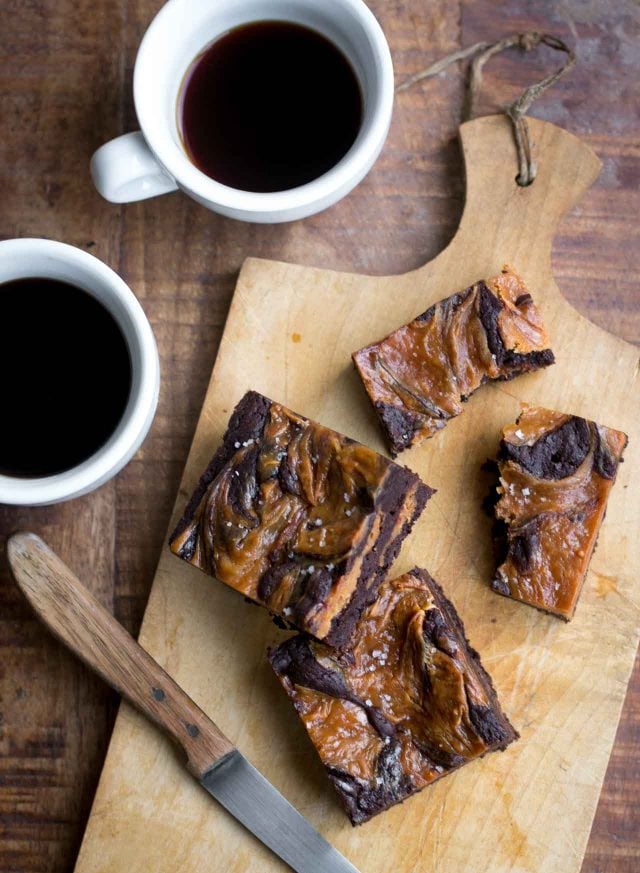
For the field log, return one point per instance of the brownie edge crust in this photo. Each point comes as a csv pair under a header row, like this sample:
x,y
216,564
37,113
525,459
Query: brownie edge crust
x,y
298,518
408,702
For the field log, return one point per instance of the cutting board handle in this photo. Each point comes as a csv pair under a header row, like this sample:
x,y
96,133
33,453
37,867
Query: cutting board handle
x,y
500,215
84,625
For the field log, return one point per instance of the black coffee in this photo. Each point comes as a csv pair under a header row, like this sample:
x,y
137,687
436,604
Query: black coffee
x,y
269,106
66,376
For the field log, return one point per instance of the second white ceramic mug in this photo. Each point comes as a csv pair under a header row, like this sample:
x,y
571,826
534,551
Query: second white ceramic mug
x,y
22,258
152,161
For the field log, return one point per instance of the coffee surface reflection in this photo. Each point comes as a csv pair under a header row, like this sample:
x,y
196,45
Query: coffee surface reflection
x,y
269,106
66,376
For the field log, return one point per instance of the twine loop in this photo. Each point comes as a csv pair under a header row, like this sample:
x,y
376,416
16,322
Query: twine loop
x,y
481,52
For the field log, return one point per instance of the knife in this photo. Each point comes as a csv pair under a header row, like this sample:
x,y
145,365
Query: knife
x,y
84,625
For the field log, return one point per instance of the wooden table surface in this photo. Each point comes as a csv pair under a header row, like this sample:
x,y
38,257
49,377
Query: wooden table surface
x,y
65,87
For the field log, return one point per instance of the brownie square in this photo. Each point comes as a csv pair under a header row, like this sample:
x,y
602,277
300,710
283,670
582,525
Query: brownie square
x,y
555,475
406,703
418,377
298,518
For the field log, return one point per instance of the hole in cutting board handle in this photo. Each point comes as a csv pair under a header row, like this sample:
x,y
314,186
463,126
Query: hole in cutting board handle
x,y
523,184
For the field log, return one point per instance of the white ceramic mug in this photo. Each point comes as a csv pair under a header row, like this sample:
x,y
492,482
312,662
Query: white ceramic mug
x,y
24,258
153,161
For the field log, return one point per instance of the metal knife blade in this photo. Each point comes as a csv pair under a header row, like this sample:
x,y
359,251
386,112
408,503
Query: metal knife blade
x,y
249,797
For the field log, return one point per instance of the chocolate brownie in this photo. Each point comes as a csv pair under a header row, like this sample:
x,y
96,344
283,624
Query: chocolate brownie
x,y
298,518
555,475
418,377
405,704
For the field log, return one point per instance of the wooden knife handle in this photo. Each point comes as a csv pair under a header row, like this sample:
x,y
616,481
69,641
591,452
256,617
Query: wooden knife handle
x,y
85,626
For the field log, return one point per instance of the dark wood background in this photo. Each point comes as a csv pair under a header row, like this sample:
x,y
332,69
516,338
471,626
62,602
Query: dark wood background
x,y
65,87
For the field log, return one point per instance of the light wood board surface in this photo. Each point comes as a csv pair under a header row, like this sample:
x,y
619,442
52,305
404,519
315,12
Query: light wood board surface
x,y
289,334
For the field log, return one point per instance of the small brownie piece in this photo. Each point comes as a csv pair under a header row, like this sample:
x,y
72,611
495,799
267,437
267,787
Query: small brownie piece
x,y
418,377
298,518
556,472
405,704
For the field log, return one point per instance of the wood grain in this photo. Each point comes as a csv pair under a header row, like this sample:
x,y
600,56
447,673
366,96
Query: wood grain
x,y
84,626
289,334
65,87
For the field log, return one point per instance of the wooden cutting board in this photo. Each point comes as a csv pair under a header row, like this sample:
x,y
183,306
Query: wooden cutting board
x,y
289,334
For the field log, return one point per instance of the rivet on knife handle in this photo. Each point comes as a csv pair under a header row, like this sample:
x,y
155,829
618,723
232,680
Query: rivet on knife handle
x,y
85,626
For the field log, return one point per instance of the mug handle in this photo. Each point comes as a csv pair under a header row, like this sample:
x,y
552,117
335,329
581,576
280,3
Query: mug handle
x,y
124,170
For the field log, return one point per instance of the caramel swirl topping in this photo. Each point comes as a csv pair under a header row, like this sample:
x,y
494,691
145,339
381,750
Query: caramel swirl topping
x,y
403,705
556,472
421,374
284,517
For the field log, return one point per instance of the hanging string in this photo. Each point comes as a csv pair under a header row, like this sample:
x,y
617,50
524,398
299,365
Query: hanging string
x,y
516,111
